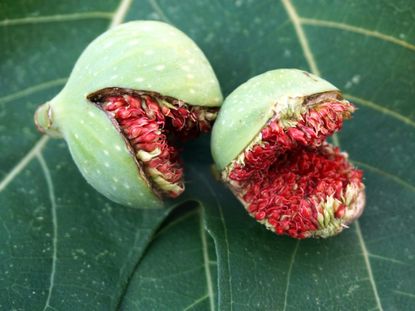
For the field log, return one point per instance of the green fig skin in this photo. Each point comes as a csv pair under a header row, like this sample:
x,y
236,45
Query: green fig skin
x,y
249,107
269,146
140,55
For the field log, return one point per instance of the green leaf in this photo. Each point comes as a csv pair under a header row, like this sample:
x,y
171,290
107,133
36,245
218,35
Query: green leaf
x,y
63,245
178,270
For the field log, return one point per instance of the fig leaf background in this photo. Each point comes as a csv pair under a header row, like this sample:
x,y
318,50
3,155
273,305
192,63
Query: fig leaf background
x,y
64,246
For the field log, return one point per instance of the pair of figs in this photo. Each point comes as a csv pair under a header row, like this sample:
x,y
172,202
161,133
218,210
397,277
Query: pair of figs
x,y
142,88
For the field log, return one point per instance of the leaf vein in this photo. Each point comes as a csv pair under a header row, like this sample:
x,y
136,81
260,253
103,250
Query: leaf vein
x,y
368,265
172,275
359,30
289,273
31,90
295,19
206,263
120,13
381,109
196,302
51,190
23,162
156,7
404,293
386,259
385,174
55,18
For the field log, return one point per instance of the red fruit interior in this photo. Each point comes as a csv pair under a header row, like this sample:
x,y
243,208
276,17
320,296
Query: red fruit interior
x,y
285,177
155,125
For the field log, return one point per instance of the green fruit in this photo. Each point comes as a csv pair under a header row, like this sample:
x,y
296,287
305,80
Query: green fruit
x,y
146,56
269,144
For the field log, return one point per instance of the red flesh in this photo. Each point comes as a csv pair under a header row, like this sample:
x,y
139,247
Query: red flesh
x,y
150,126
285,177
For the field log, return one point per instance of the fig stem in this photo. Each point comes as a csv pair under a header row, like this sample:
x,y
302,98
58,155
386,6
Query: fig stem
x,y
44,121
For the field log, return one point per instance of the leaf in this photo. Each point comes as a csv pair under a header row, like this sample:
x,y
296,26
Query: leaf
x,y
61,244
178,270
53,225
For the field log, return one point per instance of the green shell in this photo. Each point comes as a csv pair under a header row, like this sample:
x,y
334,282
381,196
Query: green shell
x,y
141,55
248,108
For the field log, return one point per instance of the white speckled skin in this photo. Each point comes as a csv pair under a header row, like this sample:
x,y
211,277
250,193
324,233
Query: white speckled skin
x,y
248,108
147,55
141,55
